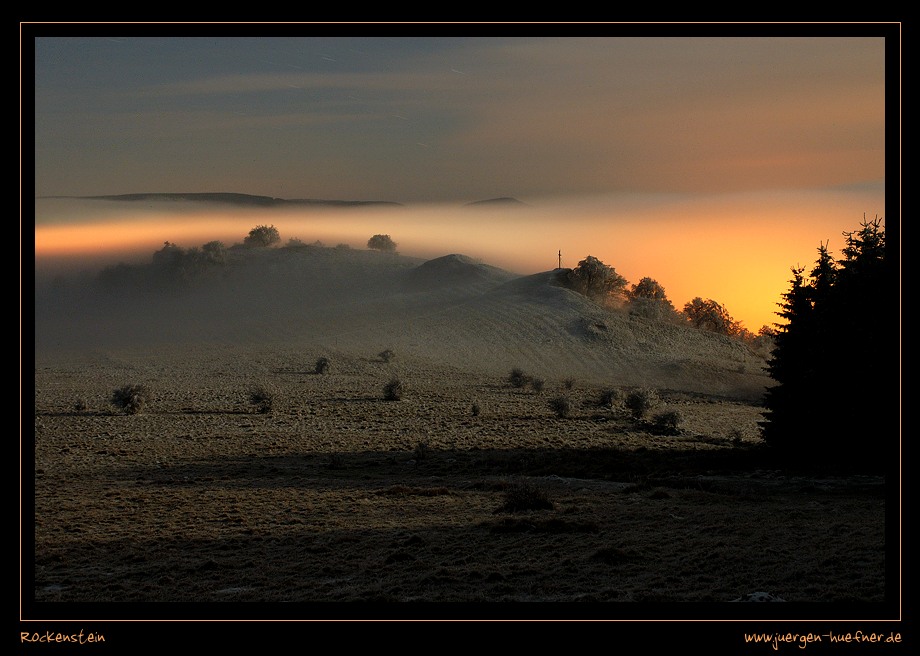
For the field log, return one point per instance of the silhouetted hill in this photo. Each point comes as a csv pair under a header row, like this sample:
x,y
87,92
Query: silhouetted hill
x,y
233,199
504,200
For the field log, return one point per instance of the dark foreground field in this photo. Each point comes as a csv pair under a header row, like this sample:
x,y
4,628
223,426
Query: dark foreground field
x,y
338,495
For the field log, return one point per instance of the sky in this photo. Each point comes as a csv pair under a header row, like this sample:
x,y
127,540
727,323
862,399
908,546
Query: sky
x,y
712,164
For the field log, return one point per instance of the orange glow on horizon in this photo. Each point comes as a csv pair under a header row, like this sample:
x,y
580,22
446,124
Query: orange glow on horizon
x,y
736,250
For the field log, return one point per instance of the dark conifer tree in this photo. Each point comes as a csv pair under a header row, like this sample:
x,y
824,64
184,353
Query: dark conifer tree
x,y
836,393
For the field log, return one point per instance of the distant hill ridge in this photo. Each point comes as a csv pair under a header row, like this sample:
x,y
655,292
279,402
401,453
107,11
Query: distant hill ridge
x,y
504,200
253,200
233,199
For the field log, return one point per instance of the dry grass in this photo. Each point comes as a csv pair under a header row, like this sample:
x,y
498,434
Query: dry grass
x,y
336,496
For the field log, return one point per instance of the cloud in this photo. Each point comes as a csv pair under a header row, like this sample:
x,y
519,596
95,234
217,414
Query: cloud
x,y
526,116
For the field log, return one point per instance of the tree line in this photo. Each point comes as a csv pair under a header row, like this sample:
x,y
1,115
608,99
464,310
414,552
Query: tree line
x,y
173,265
836,359
647,298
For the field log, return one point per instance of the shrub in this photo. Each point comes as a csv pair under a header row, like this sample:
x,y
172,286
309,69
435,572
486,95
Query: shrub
x,y
537,384
641,401
668,422
476,410
80,406
561,405
525,496
322,366
131,399
214,252
517,378
607,398
387,355
262,398
393,390
569,383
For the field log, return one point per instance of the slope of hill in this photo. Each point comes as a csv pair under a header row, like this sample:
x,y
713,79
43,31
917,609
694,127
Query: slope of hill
x,y
455,270
451,310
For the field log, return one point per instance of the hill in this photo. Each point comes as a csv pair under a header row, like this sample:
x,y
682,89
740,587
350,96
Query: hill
x,y
246,200
503,200
451,310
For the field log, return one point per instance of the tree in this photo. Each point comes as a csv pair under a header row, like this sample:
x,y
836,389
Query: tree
x,y
835,398
710,315
648,299
596,280
648,288
262,236
382,243
214,252
170,256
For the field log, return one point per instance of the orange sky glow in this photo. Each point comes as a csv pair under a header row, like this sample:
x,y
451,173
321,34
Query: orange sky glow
x,y
735,249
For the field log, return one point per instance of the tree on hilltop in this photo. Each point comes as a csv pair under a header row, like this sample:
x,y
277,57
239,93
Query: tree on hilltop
x,y
596,280
382,243
710,315
262,236
648,299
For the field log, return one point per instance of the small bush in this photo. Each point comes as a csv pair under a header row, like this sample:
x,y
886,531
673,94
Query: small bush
x,y
607,398
393,390
561,405
387,355
262,398
80,406
131,399
518,378
569,383
476,410
322,366
525,496
641,401
668,422
537,384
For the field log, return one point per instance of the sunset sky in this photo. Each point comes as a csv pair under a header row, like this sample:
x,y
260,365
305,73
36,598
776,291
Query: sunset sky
x,y
712,162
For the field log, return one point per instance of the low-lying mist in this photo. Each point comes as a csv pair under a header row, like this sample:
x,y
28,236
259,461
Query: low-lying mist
x,y
734,249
